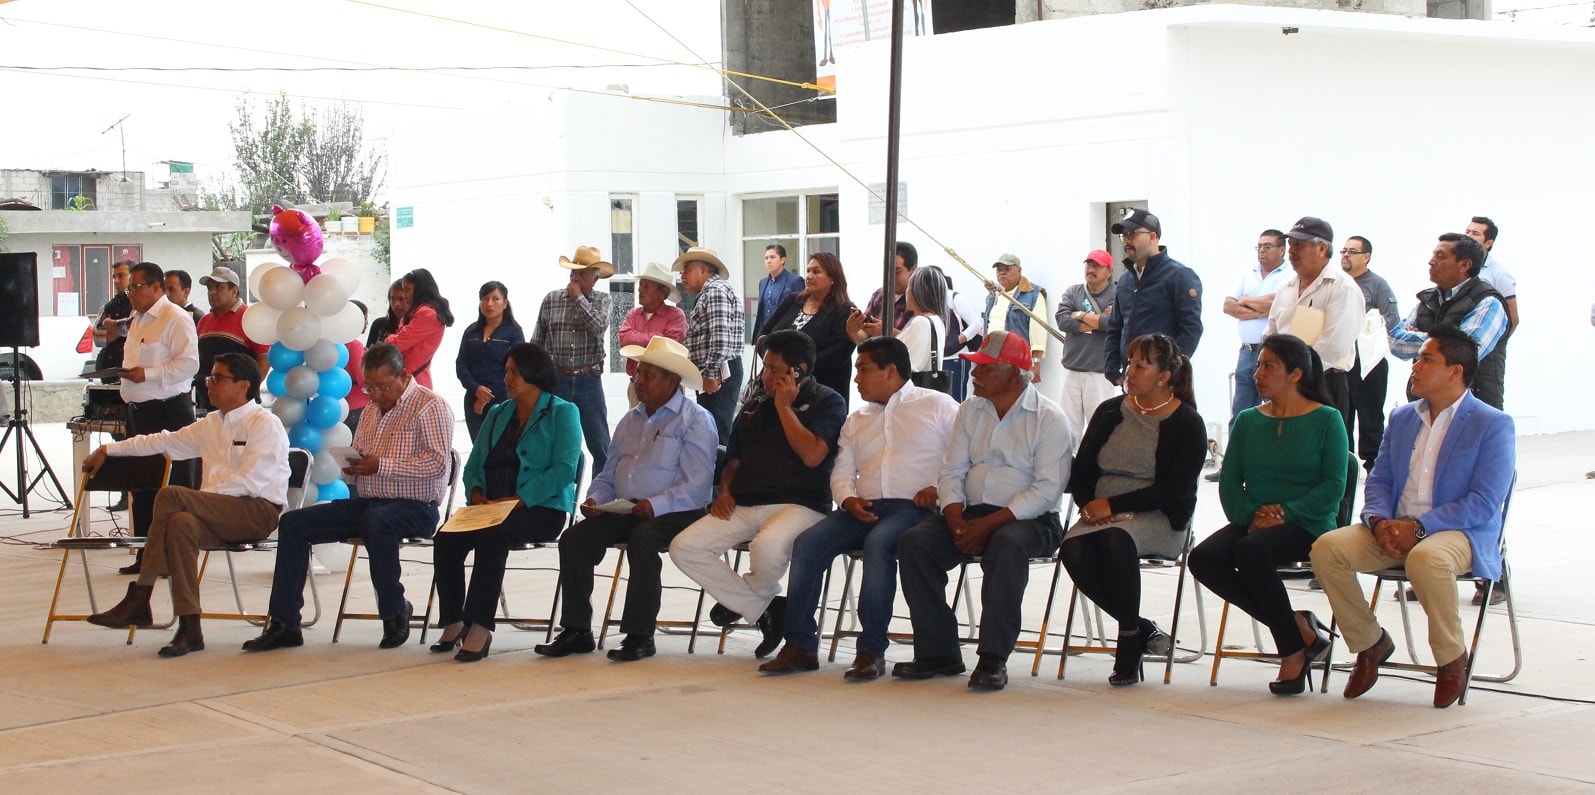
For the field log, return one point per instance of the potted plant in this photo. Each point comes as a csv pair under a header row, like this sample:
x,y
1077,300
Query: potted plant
x,y
368,217
334,224
80,203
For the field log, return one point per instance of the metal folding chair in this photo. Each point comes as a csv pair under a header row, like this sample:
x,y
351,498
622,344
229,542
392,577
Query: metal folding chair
x,y
667,627
298,471
119,473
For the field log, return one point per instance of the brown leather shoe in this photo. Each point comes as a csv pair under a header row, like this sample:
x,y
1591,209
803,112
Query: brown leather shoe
x,y
1366,671
791,660
188,638
132,611
866,668
1448,682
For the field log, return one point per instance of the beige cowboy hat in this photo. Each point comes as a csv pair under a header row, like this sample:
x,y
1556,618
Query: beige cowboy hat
x,y
701,254
656,272
668,354
588,257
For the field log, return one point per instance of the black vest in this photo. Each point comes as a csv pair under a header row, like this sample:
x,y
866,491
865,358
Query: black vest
x,y
1489,384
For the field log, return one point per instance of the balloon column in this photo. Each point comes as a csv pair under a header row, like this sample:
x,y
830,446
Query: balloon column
x,y
305,315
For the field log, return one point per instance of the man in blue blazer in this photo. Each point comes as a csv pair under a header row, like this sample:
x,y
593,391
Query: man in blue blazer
x,y
1433,503
775,287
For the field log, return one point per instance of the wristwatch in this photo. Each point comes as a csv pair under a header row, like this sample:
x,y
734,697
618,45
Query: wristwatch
x,y
1417,530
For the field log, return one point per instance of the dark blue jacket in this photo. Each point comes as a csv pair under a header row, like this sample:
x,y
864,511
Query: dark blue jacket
x,y
773,291
1166,298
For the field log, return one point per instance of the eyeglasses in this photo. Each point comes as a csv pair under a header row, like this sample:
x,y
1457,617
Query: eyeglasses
x,y
137,285
211,379
1133,234
1351,251
1265,246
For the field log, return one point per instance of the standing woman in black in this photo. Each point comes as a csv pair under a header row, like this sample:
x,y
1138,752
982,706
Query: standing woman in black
x,y
1135,482
821,311
483,346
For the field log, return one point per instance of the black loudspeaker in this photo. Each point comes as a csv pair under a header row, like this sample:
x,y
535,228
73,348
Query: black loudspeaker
x,y
19,300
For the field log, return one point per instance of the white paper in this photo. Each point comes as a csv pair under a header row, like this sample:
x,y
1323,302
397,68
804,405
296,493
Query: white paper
x,y
343,455
478,517
617,506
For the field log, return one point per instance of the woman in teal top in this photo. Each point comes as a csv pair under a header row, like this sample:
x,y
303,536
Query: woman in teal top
x,y
528,452
1283,479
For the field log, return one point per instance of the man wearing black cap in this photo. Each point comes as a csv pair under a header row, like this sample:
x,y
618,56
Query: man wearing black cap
x,y
1155,294
1321,305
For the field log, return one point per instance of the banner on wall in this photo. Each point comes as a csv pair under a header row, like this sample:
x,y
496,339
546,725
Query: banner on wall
x,y
840,23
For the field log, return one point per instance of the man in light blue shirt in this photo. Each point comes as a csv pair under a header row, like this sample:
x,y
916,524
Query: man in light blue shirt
x,y
654,484
1001,483
1249,305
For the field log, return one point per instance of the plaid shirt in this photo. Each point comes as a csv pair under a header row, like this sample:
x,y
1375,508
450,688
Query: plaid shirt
x,y
412,441
572,329
715,328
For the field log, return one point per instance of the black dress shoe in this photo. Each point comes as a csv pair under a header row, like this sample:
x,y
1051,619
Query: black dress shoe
x,y
396,630
866,668
134,569
467,656
567,642
1323,638
772,624
928,667
275,636
1154,639
1212,477
989,674
633,648
721,616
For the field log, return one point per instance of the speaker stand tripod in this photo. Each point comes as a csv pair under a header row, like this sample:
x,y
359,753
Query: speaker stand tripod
x,y
24,436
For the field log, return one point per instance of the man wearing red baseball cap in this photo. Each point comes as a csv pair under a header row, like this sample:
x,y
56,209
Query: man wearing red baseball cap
x,y
1083,311
1000,487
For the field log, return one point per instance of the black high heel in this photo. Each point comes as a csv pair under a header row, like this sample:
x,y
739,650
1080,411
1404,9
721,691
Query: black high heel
x,y
1323,637
1127,668
1154,640
446,645
1292,687
467,656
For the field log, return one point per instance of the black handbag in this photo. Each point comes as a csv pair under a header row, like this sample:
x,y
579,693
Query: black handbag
x,y
938,379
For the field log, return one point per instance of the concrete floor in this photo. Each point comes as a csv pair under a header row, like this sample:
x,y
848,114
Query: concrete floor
x,y
88,713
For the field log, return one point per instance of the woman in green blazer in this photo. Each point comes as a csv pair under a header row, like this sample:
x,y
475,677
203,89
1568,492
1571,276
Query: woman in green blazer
x,y
529,452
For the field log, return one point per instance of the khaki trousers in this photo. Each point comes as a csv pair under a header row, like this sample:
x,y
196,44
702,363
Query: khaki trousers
x,y
184,521
1432,567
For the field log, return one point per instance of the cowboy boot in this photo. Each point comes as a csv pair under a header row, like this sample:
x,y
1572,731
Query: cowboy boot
x,y
132,611
188,638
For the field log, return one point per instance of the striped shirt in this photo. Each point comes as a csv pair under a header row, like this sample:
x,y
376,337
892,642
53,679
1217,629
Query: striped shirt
x,y
715,328
1485,325
572,329
412,442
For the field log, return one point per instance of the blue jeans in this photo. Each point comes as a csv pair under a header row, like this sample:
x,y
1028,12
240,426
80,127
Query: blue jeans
x,y
1245,383
839,534
722,405
381,523
587,392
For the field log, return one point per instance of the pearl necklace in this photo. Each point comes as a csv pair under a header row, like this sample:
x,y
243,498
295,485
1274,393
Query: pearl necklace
x,y
1136,402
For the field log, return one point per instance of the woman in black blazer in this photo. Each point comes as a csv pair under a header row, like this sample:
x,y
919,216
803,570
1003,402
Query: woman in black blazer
x,y
1134,479
821,311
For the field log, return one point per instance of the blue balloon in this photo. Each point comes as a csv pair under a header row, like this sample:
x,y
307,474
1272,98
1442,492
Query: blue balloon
x,y
343,355
335,383
302,435
336,490
323,412
276,382
281,357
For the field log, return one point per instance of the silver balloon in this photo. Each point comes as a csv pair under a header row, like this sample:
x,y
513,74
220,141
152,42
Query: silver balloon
x,y
299,328
290,410
302,382
322,356
325,469
337,436
343,326
325,295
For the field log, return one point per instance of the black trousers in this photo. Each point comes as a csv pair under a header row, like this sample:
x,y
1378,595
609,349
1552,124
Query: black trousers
x,y
524,525
1337,388
1106,567
926,552
1241,567
154,416
1368,393
584,546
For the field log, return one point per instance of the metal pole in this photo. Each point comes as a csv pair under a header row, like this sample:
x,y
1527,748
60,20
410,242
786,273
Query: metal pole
x,y
893,123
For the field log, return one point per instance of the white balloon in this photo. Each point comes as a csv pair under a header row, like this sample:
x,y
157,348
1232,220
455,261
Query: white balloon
x,y
281,288
345,325
337,436
322,356
325,295
299,329
256,274
347,273
290,410
310,493
260,323
343,412
302,382
324,469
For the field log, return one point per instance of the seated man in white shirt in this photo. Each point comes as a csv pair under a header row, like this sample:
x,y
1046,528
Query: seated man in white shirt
x,y
245,486
884,479
1000,486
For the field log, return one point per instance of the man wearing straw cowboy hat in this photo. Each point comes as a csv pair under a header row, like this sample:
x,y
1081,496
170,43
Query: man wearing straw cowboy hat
x,y
714,333
662,463
571,326
652,317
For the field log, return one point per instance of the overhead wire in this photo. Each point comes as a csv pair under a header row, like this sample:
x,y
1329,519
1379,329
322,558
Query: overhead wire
x,y
991,286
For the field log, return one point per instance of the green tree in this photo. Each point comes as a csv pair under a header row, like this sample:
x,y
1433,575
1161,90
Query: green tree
x,y
302,155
